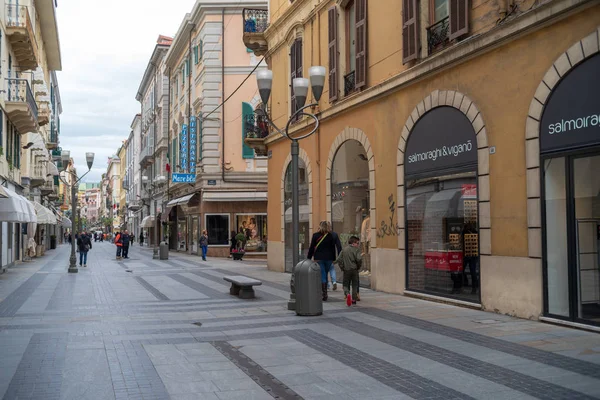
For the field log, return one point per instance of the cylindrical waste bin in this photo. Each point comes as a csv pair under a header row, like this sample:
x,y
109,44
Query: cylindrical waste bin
x,y
307,282
164,251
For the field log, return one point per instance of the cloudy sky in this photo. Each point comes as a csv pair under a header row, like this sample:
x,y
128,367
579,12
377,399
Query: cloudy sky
x,y
105,48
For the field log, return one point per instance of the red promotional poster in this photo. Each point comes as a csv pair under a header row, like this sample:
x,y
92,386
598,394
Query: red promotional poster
x,y
469,191
451,261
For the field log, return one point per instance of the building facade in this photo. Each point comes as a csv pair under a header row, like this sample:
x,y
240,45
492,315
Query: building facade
x,y
457,140
29,126
154,141
217,183
132,177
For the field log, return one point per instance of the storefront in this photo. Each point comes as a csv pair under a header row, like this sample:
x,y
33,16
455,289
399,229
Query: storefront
x,y
569,143
350,202
442,241
186,210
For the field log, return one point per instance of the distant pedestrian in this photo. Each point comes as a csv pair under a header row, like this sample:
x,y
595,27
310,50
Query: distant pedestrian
x,y
204,244
232,246
125,240
119,245
84,244
132,239
323,247
350,262
141,238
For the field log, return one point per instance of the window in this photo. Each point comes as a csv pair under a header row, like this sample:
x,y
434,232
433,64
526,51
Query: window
x,y
196,59
254,226
217,226
333,53
247,114
295,72
186,67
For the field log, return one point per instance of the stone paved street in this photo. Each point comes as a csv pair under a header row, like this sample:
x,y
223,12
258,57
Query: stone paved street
x,y
150,329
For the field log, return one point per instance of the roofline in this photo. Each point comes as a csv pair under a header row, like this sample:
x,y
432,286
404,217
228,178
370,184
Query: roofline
x,y
159,48
137,116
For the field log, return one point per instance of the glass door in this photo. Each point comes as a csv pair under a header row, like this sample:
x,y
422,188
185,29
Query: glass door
x,y
586,195
572,237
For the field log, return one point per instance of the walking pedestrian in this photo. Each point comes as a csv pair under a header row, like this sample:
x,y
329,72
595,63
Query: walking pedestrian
x,y
204,244
132,237
84,244
324,247
125,240
141,238
350,261
119,244
232,246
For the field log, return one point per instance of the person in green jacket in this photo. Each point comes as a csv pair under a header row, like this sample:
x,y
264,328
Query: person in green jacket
x,y
350,261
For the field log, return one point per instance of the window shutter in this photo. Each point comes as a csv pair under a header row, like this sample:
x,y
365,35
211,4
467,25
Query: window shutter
x,y
333,54
292,76
361,44
459,18
410,31
247,111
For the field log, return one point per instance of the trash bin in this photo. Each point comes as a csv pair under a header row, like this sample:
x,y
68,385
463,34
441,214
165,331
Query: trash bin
x,y
307,282
164,251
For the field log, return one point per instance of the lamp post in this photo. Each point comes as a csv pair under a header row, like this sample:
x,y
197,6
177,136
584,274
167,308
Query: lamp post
x,y
300,87
89,158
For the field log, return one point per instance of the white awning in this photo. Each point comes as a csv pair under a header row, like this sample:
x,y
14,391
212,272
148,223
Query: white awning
x,y
53,169
181,200
16,208
234,196
44,215
66,223
148,222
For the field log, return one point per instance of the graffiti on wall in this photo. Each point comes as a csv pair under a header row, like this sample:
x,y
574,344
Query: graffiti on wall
x,y
389,228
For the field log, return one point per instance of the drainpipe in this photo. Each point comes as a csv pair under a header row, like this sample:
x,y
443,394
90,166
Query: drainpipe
x,y
223,108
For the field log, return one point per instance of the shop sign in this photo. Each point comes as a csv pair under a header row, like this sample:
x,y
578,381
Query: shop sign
x,y
469,191
571,117
212,182
450,261
442,139
193,145
183,148
183,178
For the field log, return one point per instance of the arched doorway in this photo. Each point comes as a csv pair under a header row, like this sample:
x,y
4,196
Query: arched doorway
x,y
305,212
563,142
441,192
350,207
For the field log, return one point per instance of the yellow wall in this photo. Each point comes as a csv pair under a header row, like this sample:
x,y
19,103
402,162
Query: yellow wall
x,y
501,83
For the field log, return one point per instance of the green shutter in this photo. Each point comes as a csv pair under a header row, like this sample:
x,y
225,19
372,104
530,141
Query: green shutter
x,y
247,151
196,60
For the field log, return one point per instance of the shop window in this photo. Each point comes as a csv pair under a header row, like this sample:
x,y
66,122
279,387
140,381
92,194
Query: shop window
x,y
254,226
350,200
182,234
217,226
304,213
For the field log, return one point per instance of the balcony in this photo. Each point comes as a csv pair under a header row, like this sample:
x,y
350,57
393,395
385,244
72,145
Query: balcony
x,y
21,35
134,205
47,188
256,22
147,156
52,141
437,35
20,105
43,113
349,83
38,177
256,129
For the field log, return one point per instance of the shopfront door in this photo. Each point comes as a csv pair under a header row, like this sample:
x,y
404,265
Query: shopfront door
x,y
572,237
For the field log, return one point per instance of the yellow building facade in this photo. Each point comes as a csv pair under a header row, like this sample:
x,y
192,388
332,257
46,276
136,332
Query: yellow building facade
x,y
430,146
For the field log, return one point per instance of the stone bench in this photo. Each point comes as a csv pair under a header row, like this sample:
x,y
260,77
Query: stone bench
x,y
242,286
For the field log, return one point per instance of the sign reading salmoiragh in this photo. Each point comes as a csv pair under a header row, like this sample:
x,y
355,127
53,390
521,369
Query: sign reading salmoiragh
x,y
443,139
571,117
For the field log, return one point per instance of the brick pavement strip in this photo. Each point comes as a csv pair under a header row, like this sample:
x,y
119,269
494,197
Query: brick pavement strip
x,y
267,381
530,353
503,376
157,293
397,378
11,304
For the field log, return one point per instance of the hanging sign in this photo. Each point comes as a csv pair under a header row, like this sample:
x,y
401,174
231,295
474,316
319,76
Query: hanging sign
x,y
183,146
193,146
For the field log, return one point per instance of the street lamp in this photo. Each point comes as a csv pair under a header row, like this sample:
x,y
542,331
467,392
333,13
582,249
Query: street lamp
x,y
300,87
65,156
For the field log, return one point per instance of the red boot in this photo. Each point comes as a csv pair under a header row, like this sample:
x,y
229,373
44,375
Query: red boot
x,y
348,300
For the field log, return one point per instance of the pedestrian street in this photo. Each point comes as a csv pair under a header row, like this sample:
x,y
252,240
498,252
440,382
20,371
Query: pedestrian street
x,y
140,328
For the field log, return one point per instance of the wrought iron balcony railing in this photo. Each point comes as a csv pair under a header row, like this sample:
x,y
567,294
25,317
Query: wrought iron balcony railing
x,y
19,91
256,126
255,21
349,83
437,35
